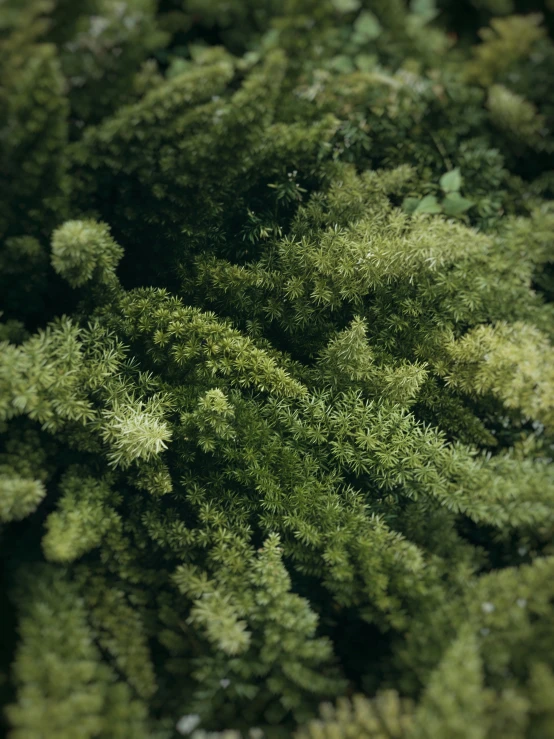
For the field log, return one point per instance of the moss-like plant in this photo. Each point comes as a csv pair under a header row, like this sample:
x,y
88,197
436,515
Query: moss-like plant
x,y
276,385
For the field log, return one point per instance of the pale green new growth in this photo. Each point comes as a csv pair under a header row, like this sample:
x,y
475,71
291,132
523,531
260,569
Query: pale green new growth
x,y
384,717
19,497
83,518
65,689
81,249
517,117
504,43
135,430
455,702
515,362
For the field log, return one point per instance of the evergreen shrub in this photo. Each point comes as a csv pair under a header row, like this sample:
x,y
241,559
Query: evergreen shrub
x,y
277,369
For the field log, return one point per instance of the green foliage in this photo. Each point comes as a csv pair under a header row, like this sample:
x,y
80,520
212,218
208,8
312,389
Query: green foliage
x,y
453,204
33,140
454,701
512,361
102,59
82,248
19,497
65,689
516,117
504,43
276,385
276,658
384,717
79,525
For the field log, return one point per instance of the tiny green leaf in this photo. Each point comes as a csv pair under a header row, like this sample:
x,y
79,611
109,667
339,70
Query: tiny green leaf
x,y
346,6
410,204
451,181
342,63
454,204
429,204
367,26
425,9
176,67
366,62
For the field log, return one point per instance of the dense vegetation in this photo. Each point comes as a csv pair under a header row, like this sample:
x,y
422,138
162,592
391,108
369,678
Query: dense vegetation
x,y
277,369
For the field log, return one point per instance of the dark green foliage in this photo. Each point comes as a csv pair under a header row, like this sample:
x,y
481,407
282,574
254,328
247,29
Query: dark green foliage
x,y
34,119
276,369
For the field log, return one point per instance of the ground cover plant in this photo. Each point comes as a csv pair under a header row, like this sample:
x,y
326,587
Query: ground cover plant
x,y
276,369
